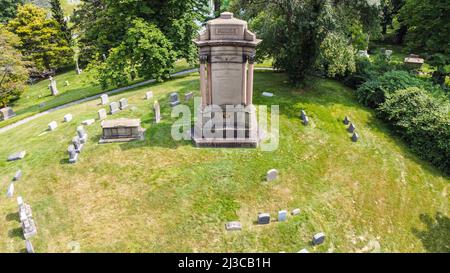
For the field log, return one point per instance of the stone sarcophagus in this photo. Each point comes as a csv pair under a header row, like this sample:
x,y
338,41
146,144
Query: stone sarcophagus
x,y
121,130
227,117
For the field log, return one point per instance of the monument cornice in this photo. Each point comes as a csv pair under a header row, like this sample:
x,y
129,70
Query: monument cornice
x,y
240,43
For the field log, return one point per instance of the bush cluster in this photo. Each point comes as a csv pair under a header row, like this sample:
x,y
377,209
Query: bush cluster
x,y
422,121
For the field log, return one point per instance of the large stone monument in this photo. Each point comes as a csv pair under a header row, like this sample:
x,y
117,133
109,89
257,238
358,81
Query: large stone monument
x,y
227,117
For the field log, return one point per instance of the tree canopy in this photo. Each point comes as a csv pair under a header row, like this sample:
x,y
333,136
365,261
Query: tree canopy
x,y
294,32
13,72
42,40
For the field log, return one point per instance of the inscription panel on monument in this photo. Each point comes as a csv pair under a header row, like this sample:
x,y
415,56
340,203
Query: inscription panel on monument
x,y
227,83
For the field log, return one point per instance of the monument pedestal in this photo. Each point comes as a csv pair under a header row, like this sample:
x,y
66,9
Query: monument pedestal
x,y
227,128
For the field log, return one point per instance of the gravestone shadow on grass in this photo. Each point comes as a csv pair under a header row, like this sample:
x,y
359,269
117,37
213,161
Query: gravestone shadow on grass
x,y
13,217
15,232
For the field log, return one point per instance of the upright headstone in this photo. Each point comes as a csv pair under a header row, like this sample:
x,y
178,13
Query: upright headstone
x,y
346,120
77,144
113,108
305,120
272,175
157,112
52,126
123,103
67,83
73,155
295,212
188,96
104,99
10,191
52,86
17,156
355,137
18,175
82,135
68,118
102,114
318,239
351,128
302,114
174,100
149,95
263,218
282,215
6,113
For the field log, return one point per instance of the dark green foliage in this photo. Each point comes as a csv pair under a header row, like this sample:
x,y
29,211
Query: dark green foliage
x,y
422,121
58,15
103,24
42,41
145,52
428,24
374,92
8,9
297,34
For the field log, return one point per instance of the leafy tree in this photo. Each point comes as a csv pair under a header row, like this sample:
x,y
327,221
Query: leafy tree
x,y
13,72
144,52
42,41
58,15
103,24
428,24
8,9
293,31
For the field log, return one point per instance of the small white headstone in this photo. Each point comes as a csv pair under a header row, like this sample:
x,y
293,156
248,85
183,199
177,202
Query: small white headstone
x,y
295,212
149,95
272,175
267,94
303,251
282,215
157,112
88,122
68,118
318,239
102,114
52,126
105,99
188,96
10,191
19,201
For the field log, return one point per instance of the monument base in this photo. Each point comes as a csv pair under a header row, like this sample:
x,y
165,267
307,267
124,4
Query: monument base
x,y
239,128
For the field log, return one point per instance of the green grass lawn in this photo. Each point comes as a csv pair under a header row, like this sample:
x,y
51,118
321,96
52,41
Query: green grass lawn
x,y
160,195
37,97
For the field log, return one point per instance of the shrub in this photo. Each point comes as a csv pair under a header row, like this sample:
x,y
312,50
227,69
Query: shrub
x,y
422,121
374,92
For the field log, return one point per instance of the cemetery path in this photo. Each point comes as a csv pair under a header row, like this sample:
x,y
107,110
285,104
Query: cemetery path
x,y
111,92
